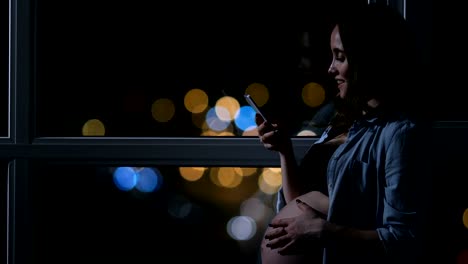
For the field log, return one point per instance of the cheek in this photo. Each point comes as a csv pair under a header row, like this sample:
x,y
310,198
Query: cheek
x,y
344,72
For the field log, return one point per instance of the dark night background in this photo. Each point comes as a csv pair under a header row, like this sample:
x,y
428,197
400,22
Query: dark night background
x,y
93,56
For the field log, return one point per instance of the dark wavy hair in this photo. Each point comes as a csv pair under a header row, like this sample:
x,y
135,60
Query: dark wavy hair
x,y
380,49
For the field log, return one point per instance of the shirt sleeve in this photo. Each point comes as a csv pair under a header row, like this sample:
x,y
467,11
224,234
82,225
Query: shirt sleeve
x,y
280,201
398,232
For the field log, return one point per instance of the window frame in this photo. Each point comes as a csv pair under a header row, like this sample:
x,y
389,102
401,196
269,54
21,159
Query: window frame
x,y
21,145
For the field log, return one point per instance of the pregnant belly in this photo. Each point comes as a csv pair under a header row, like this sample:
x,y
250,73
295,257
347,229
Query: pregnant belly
x,y
316,200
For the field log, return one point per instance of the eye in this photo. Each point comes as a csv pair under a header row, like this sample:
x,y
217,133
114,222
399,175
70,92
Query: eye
x,y
340,56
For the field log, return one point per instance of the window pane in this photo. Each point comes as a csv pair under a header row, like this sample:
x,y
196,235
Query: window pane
x,y
128,70
4,61
139,214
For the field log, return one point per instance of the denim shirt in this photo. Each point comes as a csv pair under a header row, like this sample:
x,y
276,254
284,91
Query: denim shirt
x,y
371,186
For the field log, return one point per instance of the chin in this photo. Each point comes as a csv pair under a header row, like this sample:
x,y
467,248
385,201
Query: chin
x,y
316,200
342,95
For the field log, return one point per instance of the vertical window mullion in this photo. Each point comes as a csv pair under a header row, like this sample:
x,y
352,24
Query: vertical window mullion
x,y
21,70
19,235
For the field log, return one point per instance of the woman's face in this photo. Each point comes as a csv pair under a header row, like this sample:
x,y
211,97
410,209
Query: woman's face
x,y
339,65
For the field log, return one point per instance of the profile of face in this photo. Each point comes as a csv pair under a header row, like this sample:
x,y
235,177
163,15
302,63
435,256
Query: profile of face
x,y
339,66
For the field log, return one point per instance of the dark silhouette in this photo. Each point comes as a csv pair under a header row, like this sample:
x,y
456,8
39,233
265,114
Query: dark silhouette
x,y
354,198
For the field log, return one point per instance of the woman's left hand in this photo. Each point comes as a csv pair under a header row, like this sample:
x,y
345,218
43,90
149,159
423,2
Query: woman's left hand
x,y
296,235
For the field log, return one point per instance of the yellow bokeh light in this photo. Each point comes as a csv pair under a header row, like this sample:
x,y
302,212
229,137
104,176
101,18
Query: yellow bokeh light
x,y
228,178
196,101
163,110
465,218
93,127
265,187
259,93
313,94
211,133
192,173
230,106
225,177
272,176
244,172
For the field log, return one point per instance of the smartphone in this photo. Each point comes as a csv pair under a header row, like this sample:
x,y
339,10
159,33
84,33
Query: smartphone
x,y
254,106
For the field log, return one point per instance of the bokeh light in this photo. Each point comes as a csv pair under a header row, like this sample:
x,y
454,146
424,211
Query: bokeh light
x,y
259,93
250,132
196,101
268,182
241,227
245,118
245,171
93,127
148,179
214,122
225,177
256,209
313,94
227,131
125,178
226,108
192,173
272,176
163,109
306,133
142,179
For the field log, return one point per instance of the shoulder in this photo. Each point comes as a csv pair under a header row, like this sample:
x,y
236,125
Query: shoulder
x,y
404,129
400,124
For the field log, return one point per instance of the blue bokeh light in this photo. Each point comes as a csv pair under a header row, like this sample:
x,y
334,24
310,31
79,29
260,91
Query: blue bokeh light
x,y
125,178
245,118
149,180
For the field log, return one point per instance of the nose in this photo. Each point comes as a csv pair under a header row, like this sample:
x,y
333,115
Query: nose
x,y
332,69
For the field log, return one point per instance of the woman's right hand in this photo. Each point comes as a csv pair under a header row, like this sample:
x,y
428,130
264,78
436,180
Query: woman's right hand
x,y
272,135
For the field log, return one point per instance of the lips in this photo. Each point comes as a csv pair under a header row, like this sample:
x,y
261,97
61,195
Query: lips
x,y
340,83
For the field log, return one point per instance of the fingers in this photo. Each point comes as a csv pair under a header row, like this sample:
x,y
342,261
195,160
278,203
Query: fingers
x,y
264,128
279,242
283,222
275,232
270,140
267,137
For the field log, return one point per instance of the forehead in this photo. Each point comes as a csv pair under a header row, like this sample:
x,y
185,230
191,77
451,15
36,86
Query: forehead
x,y
335,39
